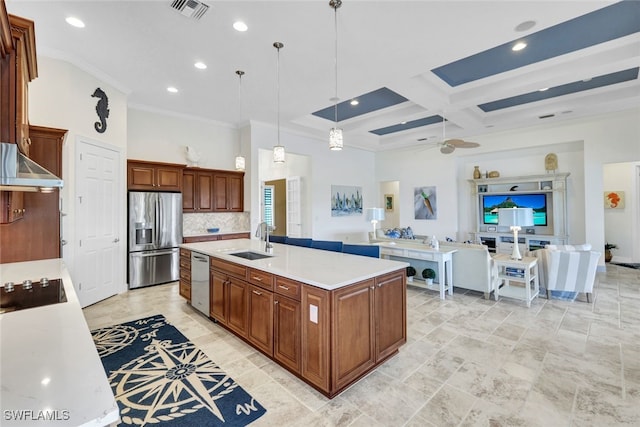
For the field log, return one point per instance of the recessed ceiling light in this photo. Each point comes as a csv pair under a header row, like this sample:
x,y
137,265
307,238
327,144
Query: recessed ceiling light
x,y
240,26
200,65
354,102
543,89
75,22
172,89
403,123
518,46
524,26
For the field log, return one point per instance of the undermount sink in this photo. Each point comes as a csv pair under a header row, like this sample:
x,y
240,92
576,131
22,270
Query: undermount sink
x,y
250,255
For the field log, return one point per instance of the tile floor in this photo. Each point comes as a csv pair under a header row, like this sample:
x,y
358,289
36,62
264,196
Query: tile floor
x,y
467,362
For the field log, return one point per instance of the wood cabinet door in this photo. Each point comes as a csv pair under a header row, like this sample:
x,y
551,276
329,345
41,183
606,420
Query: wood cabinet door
x,y
391,326
260,329
218,296
220,193
185,274
286,332
204,192
237,308
235,193
189,191
169,178
141,177
353,332
315,333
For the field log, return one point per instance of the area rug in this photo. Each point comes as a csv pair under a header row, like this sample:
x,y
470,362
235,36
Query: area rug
x,y
626,264
160,378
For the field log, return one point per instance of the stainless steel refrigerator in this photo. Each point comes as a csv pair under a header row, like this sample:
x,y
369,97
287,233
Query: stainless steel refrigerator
x,y
155,231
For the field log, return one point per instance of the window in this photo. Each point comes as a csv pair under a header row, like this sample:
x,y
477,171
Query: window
x,y
269,212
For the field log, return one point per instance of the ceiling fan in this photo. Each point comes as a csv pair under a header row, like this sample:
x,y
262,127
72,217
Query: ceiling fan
x,y
448,146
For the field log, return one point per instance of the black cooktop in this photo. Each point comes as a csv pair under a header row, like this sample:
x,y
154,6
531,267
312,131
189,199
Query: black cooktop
x,y
24,296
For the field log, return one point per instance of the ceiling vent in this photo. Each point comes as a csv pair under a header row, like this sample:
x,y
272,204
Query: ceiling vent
x,y
547,116
190,8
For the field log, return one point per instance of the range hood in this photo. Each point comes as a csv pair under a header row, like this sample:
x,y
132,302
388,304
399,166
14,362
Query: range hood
x,y
20,173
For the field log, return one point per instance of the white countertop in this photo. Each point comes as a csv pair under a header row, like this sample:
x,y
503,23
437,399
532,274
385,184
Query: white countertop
x,y
49,365
324,269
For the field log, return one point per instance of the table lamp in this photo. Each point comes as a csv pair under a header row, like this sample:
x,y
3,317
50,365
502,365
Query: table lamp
x,y
374,215
515,218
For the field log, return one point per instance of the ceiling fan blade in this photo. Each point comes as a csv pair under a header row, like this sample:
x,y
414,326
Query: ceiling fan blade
x,y
447,149
459,143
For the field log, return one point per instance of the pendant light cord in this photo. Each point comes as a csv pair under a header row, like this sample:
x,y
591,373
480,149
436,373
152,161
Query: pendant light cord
x,y
278,88
335,9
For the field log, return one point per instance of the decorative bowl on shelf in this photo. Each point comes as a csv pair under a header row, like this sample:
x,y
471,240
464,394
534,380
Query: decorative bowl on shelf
x,y
213,230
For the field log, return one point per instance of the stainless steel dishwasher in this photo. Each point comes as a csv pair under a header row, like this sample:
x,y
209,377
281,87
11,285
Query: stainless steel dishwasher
x,y
200,282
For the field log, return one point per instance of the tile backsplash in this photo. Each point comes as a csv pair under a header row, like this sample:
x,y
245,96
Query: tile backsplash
x,y
232,222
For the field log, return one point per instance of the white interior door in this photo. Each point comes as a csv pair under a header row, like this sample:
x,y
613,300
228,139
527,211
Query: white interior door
x,y
294,207
98,263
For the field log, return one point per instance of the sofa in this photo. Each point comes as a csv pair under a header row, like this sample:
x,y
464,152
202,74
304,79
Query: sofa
x,y
473,267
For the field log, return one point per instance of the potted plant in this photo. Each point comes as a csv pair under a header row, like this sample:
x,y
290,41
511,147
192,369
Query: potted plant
x,y
410,273
607,251
429,274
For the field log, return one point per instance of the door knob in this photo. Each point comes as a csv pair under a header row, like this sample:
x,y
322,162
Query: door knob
x,y
116,240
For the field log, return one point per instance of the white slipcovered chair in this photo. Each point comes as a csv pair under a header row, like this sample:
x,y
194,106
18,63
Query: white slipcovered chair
x,y
567,268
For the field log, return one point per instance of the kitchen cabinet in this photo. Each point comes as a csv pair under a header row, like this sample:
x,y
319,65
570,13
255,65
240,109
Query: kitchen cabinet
x,y
197,190
328,338
18,66
37,235
154,176
214,237
228,191
185,274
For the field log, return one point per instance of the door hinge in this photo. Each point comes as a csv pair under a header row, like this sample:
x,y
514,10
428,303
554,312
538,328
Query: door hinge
x,y
80,243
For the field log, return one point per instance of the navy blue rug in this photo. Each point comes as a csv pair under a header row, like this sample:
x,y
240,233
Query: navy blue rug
x,y
627,264
160,378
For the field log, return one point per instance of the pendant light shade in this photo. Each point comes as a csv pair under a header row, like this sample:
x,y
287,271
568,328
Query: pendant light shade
x,y
335,139
278,150
240,161
335,134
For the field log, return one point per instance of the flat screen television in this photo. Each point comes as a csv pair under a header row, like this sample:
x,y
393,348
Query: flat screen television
x,y
536,201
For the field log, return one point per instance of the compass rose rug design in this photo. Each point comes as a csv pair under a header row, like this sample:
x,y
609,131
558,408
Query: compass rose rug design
x,y
160,378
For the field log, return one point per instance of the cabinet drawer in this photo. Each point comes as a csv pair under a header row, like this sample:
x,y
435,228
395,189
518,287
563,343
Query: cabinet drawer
x,y
185,274
288,287
194,239
392,251
185,253
237,270
261,278
430,256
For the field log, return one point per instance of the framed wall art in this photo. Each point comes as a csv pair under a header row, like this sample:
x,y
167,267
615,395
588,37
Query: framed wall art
x,y
614,199
388,202
425,203
346,200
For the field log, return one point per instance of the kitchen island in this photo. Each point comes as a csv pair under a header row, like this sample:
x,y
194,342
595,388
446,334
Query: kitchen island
x,y
51,373
328,317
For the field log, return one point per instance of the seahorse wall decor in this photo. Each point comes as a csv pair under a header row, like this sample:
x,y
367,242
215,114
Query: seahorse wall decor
x,y
102,109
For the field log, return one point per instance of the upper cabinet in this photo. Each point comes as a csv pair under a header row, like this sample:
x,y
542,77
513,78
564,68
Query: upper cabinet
x,y
228,191
18,67
197,190
154,176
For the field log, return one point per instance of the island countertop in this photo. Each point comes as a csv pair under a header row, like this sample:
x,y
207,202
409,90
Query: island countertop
x,y
50,370
324,269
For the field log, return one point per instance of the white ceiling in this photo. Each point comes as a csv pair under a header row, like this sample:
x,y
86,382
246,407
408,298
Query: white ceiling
x,y
141,47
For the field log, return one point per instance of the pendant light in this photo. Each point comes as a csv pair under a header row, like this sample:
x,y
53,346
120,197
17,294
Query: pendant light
x,y
278,150
335,134
240,161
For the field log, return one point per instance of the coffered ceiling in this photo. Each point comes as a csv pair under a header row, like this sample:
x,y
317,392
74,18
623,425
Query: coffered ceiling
x,y
408,63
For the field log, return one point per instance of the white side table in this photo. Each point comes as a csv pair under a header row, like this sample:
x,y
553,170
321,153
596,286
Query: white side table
x,y
418,252
524,272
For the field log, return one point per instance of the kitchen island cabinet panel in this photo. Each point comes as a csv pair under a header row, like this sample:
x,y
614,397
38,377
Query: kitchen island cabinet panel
x,y
353,332
238,306
185,274
390,314
260,329
218,297
286,332
315,337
